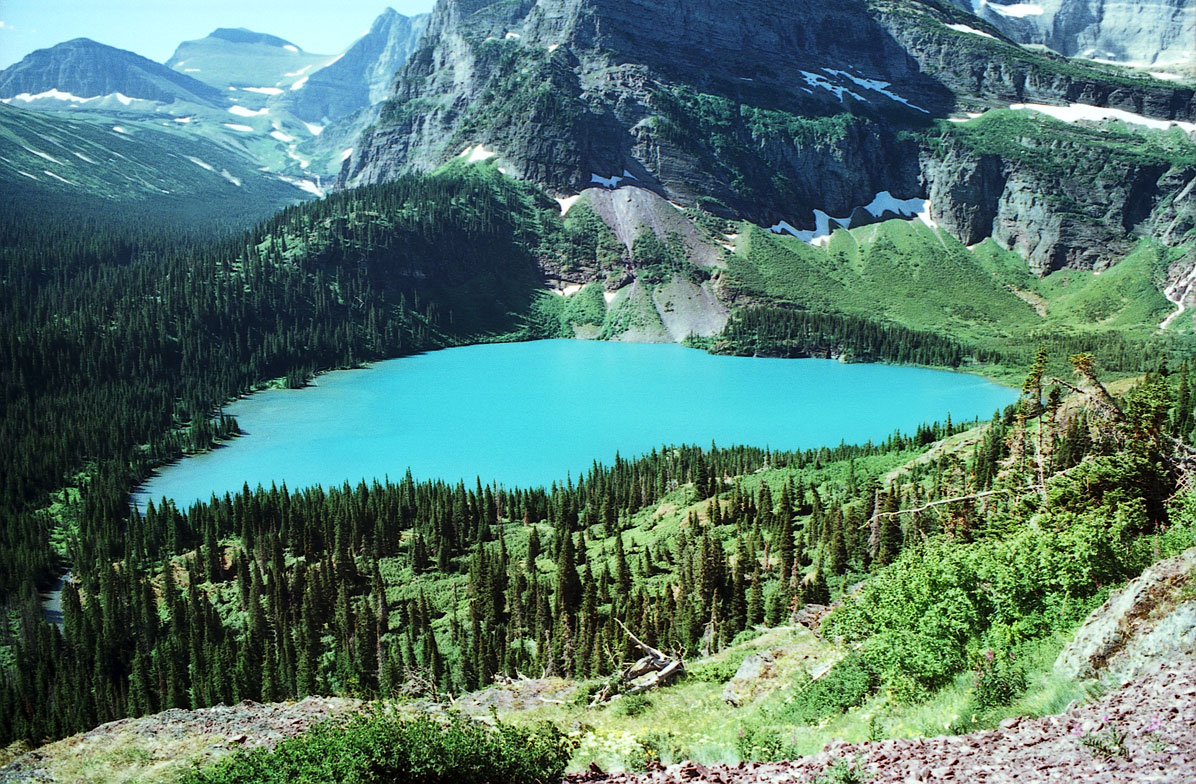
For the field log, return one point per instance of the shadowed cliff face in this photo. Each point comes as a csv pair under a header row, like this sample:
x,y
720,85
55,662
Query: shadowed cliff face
x,y
563,90
762,109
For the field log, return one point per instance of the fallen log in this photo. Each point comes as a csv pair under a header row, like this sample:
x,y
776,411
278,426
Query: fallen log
x,y
654,670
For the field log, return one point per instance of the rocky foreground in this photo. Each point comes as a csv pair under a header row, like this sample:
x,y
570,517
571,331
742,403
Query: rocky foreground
x,y
1144,731
160,747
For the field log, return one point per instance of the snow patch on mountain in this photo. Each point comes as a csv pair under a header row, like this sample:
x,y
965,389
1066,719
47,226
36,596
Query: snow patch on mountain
x,y
477,154
313,129
818,80
963,28
299,84
235,181
55,94
281,136
238,127
201,164
291,48
345,154
83,157
884,202
1078,112
303,163
606,182
876,86
242,111
49,158
264,90
567,203
1017,10
55,176
303,185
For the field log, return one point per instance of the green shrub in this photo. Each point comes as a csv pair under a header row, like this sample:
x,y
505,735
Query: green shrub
x,y
717,671
760,741
634,704
999,678
661,746
848,684
377,747
844,772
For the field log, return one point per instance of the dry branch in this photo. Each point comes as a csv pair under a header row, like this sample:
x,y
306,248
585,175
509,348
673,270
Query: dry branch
x,y
652,671
945,501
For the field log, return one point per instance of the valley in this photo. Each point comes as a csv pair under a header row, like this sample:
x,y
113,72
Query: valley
x,y
850,375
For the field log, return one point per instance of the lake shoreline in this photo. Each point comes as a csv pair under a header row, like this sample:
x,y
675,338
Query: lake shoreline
x,y
675,358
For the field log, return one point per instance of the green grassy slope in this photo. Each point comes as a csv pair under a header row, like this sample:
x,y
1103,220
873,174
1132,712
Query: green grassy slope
x,y
51,165
908,274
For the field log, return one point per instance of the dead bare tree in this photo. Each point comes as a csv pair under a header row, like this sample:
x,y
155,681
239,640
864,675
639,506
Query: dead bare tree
x,y
654,670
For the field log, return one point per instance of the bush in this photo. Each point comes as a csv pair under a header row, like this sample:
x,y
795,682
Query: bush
x,y
634,704
717,671
848,684
380,747
760,742
999,679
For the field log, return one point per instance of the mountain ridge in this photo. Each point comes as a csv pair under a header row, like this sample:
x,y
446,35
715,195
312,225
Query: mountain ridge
x,y
87,69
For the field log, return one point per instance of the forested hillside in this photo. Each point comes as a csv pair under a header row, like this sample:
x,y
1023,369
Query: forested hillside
x,y
123,344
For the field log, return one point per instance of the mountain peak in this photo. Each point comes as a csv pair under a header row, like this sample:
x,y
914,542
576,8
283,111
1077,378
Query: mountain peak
x,y
86,68
241,35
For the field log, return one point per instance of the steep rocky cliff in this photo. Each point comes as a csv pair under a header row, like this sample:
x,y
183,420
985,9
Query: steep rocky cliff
x,y
1059,196
363,75
771,110
1152,33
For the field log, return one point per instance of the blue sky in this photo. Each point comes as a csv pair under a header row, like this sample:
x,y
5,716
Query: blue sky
x,y
154,28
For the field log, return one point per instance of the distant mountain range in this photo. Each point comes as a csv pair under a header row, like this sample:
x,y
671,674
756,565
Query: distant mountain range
x,y
1160,34
82,69
259,97
769,113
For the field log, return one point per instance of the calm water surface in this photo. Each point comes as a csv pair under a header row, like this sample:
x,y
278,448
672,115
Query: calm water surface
x,y
530,413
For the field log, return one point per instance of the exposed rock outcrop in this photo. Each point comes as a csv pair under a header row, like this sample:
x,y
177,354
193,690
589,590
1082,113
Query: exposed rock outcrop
x,y
1150,620
362,76
175,740
1056,200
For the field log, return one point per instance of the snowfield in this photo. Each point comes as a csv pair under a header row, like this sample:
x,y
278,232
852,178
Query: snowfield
x,y
963,28
1078,112
825,225
241,111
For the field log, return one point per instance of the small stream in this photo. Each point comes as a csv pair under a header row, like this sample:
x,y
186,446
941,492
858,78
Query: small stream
x,y
52,601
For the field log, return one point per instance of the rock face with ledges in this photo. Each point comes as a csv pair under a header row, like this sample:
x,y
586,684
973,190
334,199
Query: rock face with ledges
x,y
363,75
767,110
1088,214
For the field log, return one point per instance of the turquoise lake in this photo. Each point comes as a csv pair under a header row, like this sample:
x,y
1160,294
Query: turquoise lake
x,y
527,414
